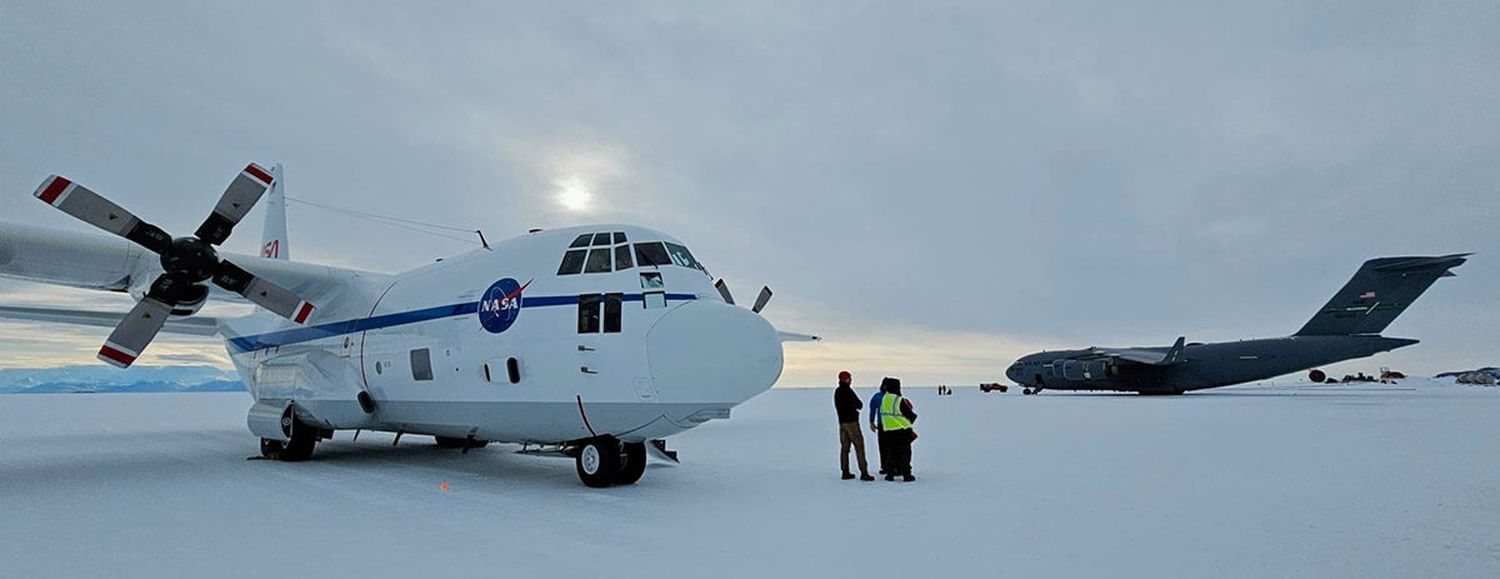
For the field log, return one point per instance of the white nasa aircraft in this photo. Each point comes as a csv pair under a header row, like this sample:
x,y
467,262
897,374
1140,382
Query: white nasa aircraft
x,y
588,341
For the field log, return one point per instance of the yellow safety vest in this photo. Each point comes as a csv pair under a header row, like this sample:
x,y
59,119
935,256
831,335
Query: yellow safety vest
x,y
890,413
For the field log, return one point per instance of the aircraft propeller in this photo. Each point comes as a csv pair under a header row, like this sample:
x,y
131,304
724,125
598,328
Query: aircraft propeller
x,y
760,300
187,262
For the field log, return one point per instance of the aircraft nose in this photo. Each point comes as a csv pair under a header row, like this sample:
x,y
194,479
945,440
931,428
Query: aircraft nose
x,y
711,352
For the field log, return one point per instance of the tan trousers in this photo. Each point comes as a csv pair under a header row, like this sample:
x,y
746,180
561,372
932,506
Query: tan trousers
x,y
850,435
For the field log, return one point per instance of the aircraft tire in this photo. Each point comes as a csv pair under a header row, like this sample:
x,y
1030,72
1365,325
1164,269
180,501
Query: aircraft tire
x,y
632,463
303,438
300,447
598,461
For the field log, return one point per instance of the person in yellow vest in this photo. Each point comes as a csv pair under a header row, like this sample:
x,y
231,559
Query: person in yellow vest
x,y
896,435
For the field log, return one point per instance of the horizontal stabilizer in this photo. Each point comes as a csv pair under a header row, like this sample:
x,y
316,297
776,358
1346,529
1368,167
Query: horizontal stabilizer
x,y
1378,293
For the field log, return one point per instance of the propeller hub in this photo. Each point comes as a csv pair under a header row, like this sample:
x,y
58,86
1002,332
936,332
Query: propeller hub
x,y
190,258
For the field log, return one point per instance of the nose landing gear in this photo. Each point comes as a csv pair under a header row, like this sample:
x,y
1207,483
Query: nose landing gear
x,y
604,461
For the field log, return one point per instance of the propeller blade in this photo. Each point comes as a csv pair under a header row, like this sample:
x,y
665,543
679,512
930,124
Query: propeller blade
x,y
242,195
94,209
724,291
135,332
762,299
278,300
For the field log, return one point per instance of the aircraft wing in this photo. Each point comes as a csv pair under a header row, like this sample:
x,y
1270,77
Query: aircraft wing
x,y
99,262
1148,356
196,325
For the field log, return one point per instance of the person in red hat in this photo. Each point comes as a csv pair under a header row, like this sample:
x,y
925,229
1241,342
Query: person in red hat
x,y
847,403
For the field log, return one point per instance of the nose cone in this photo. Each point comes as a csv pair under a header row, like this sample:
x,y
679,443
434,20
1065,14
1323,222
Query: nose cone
x,y
709,351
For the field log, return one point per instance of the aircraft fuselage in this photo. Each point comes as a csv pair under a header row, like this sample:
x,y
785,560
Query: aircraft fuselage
x,y
1209,365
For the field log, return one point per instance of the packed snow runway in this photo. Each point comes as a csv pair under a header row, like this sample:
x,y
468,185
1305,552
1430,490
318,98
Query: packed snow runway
x,y
1370,481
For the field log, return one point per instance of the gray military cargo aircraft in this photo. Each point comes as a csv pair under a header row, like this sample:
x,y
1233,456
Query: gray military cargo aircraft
x,y
1347,328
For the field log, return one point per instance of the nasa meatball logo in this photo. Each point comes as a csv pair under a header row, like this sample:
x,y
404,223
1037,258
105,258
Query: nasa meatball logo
x,y
501,305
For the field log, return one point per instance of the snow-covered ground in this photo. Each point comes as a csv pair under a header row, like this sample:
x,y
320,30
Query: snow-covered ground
x,y
1366,481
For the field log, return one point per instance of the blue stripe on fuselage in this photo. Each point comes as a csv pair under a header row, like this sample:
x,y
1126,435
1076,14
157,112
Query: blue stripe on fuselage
x,y
310,333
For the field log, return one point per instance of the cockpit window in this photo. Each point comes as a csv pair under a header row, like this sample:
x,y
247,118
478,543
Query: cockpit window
x,y
620,237
681,256
622,258
572,262
601,239
599,261
653,254
582,241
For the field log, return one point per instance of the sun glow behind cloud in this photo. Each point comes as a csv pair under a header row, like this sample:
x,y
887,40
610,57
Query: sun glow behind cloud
x,y
575,194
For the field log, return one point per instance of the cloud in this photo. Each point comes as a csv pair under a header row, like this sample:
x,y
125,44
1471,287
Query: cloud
x,y
1069,173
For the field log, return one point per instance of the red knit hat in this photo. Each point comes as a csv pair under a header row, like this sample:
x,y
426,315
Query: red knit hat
x,y
845,376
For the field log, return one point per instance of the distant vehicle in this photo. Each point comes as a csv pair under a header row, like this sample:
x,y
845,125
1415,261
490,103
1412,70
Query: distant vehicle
x,y
591,341
1347,328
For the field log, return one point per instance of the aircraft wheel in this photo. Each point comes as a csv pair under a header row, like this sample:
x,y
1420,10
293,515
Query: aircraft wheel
x,y
1317,376
1027,391
632,463
598,461
299,448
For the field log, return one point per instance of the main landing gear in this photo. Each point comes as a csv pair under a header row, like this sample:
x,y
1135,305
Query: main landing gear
x,y
1031,391
604,461
301,438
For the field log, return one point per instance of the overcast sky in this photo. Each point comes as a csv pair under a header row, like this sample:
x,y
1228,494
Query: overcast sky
x,y
937,188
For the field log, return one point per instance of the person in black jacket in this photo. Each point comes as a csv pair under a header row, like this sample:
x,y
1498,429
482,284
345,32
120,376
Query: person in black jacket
x,y
847,403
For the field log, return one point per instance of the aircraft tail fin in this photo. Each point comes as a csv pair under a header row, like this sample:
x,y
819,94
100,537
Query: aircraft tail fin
x,y
1379,291
273,243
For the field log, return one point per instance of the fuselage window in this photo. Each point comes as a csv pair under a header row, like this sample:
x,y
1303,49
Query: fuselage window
x,y
599,261
620,237
602,239
588,313
651,280
513,370
622,258
652,254
654,300
421,364
582,241
572,262
612,303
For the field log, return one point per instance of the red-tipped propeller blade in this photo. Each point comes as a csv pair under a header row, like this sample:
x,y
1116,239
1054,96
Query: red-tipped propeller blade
x,y
242,194
278,300
94,209
135,332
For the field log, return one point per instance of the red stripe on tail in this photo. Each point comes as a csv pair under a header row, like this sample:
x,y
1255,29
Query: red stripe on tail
x,y
53,190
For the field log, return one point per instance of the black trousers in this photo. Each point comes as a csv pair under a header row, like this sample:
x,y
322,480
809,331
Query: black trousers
x,y
895,451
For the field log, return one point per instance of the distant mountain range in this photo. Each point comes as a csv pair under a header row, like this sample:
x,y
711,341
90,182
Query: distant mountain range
x,y
1486,370
106,379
